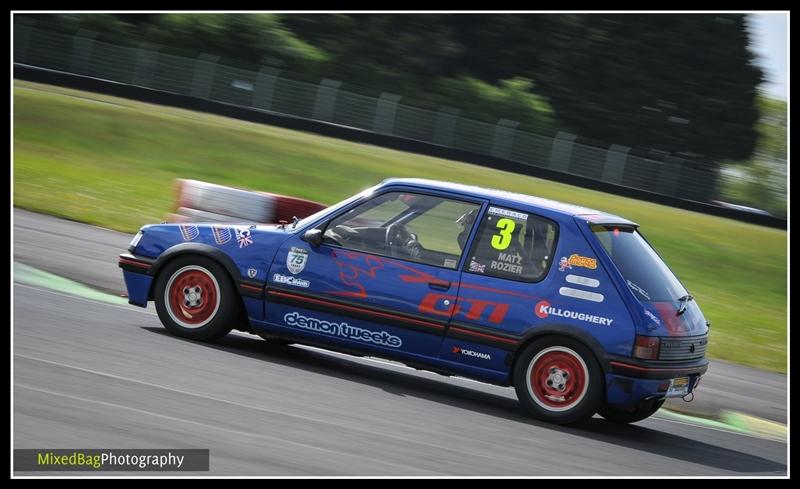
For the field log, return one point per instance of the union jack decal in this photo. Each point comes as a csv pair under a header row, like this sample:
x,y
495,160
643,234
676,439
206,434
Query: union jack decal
x,y
243,237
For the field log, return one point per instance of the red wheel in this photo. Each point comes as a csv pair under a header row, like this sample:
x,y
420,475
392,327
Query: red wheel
x,y
557,378
192,293
195,298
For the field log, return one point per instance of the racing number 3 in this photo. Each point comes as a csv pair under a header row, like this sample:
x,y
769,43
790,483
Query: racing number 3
x,y
502,239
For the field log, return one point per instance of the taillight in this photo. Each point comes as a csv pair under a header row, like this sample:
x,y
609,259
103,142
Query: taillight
x,y
646,347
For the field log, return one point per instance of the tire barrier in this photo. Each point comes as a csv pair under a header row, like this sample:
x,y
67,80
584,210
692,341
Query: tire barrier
x,y
198,201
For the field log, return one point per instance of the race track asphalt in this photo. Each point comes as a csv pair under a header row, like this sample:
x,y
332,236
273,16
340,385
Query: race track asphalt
x,y
90,374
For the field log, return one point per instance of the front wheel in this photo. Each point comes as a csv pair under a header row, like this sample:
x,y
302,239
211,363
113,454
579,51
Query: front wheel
x,y
195,298
632,415
558,380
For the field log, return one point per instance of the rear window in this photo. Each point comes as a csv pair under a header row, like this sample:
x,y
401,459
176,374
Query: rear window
x,y
645,272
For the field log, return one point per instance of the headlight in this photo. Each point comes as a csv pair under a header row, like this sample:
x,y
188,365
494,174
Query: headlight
x,y
135,241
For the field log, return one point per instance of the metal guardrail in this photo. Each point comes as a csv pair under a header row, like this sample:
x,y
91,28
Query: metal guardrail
x,y
264,89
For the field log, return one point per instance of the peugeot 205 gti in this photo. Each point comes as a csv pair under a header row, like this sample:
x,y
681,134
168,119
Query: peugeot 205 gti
x,y
569,305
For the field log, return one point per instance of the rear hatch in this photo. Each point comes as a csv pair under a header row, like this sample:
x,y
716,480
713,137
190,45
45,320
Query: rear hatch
x,y
668,309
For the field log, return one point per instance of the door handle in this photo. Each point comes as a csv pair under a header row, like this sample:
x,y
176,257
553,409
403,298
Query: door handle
x,y
439,285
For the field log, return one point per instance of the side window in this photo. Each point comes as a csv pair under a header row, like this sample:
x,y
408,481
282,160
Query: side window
x,y
512,245
415,227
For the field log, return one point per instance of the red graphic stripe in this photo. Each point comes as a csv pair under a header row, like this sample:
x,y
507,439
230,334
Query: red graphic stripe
x,y
358,309
135,263
490,336
636,367
252,287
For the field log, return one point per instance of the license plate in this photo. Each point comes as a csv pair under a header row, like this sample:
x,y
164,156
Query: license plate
x,y
678,387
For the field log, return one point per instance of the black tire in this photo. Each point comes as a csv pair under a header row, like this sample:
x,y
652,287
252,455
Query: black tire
x,y
637,413
215,308
573,368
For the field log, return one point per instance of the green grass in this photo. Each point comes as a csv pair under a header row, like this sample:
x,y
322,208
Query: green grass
x,y
111,162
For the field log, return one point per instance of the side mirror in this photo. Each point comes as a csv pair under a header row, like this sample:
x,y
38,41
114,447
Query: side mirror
x,y
313,236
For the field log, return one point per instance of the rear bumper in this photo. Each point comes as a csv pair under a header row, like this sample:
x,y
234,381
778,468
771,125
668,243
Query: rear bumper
x,y
639,369
629,391
629,381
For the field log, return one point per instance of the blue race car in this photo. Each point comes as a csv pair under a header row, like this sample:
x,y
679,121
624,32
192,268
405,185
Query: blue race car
x,y
569,305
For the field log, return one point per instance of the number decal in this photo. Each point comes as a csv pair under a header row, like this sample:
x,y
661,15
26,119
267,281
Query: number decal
x,y
502,239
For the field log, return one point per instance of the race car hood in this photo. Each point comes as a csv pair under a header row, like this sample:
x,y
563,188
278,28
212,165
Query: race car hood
x,y
233,239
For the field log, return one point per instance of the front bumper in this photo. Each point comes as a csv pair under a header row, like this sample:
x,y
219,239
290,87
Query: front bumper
x,y
136,272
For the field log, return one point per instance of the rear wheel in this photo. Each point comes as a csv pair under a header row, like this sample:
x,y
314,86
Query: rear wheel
x,y
637,413
558,380
195,298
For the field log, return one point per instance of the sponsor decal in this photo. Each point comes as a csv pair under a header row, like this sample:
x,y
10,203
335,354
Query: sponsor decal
x,y
652,316
243,237
457,350
576,260
496,211
581,294
543,309
506,262
252,272
638,289
289,280
296,260
342,330
476,267
449,263
578,280
189,232
222,234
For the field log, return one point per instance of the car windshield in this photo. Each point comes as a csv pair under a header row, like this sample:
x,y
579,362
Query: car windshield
x,y
313,217
645,272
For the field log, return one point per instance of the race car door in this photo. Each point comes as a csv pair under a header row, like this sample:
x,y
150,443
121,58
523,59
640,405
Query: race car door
x,y
504,277
383,274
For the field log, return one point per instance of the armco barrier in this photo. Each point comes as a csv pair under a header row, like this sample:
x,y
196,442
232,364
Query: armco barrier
x,y
53,77
202,201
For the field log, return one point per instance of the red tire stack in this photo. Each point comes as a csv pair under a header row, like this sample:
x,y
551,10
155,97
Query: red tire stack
x,y
207,202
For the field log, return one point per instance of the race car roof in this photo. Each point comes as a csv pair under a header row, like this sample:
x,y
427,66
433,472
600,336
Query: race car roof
x,y
502,196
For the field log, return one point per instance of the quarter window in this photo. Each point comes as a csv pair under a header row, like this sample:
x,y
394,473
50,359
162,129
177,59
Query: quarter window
x,y
512,245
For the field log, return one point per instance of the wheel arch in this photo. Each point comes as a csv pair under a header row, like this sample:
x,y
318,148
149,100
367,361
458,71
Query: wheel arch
x,y
564,330
199,249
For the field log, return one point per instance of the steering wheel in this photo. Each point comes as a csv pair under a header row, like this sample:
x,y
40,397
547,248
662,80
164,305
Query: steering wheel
x,y
400,243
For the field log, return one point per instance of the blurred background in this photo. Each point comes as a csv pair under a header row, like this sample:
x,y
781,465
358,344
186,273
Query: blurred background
x,y
690,90
686,107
